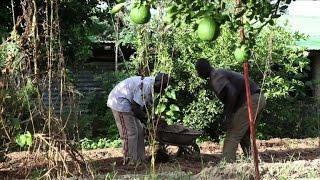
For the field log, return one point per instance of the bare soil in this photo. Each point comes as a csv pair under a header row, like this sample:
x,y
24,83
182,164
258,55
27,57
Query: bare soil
x,y
109,160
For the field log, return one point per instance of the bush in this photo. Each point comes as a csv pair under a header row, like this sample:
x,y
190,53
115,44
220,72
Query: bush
x,y
289,118
16,95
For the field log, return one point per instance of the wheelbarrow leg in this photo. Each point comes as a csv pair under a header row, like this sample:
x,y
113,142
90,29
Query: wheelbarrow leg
x,y
189,150
184,150
180,151
196,150
161,154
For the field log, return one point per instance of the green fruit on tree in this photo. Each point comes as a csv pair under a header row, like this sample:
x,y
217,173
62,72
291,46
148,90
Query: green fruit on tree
x,y
140,15
207,29
117,8
241,53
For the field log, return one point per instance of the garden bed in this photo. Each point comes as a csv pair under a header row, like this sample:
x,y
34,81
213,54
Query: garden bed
x,y
290,158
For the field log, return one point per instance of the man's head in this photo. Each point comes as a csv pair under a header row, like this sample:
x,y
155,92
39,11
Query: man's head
x,y
161,82
203,68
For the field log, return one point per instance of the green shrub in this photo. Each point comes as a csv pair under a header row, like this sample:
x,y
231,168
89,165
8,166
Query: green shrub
x,y
290,118
86,143
17,97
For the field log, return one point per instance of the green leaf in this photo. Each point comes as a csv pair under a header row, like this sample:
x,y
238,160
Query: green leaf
x,y
117,8
174,107
93,145
170,113
160,108
171,9
283,7
276,16
28,138
100,144
20,140
171,95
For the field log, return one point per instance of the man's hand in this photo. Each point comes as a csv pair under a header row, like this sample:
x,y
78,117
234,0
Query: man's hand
x,y
143,121
138,112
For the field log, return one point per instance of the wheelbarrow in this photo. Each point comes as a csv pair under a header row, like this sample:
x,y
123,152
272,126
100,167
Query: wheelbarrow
x,y
178,135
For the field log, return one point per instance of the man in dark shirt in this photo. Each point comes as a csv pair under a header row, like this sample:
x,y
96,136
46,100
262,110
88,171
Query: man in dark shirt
x,y
230,89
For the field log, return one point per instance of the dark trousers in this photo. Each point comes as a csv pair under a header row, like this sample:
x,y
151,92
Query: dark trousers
x,y
239,130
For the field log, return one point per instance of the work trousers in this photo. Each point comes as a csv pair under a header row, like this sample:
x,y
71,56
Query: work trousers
x,y
132,136
238,131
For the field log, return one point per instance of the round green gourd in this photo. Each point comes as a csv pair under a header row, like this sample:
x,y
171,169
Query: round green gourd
x,y
207,29
241,53
140,15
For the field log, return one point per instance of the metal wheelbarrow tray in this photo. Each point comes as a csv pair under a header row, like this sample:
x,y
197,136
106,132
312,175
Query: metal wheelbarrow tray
x,y
179,135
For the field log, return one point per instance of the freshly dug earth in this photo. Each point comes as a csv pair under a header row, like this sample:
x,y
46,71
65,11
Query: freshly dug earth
x,y
289,158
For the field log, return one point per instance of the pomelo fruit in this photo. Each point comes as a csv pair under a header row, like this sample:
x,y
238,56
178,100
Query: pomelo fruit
x,y
241,53
207,29
140,15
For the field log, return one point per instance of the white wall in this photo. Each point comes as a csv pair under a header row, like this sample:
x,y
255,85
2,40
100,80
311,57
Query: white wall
x,y
304,16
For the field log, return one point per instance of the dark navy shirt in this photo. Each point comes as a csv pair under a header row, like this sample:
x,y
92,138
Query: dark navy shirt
x,y
219,78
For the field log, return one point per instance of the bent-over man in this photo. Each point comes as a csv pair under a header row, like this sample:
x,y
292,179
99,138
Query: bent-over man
x,y
128,101
229,87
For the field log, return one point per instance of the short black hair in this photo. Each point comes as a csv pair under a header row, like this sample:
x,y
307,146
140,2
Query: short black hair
x,y
161,82
203,68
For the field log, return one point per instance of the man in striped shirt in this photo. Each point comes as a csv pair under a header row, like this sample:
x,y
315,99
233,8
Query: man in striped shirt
x,y
128,101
